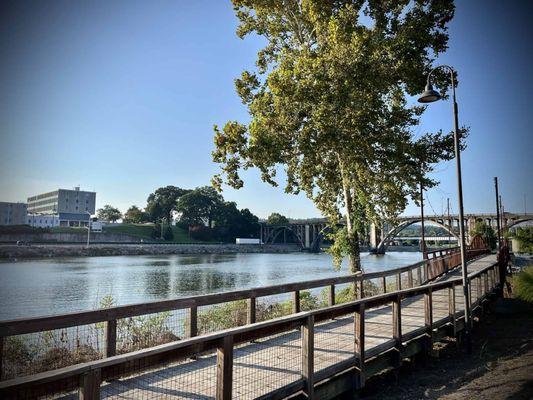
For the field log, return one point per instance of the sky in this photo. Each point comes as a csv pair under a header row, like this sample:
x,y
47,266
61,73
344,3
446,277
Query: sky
x,y
120,97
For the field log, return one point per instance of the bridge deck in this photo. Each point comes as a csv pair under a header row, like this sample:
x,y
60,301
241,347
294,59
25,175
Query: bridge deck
x,y
264,366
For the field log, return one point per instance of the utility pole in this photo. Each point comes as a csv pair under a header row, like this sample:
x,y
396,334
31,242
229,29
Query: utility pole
x,y
422,233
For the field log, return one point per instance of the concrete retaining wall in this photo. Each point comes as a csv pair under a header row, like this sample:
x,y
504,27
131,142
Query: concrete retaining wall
x,y
71,237
75,250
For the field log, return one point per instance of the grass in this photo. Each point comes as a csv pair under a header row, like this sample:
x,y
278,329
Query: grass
x,y
523,284
144,231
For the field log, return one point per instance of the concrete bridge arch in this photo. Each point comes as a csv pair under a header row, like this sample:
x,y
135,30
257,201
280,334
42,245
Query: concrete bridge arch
x,y
382,245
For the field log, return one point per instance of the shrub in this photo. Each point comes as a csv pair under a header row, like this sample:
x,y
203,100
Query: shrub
x,y
525,239
200,232
523,284
168,234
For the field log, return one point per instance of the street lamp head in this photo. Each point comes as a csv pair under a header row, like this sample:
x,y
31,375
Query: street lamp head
x,y
430,95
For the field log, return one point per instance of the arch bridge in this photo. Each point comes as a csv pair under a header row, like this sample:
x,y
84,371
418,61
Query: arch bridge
x,y
309,234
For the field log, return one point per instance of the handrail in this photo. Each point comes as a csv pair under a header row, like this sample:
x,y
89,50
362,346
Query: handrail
x,y
93,373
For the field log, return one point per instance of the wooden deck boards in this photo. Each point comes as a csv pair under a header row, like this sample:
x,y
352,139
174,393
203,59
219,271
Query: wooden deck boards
x,y
264,366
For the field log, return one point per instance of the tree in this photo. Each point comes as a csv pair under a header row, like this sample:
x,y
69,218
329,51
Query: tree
x,y
135,215
109,213
524,235
162,202
277,219
329,102
231,222
486,232
199,206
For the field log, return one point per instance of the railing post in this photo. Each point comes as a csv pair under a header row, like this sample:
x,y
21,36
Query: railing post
x,y
428,318
251,304
296,301
486,282
308,356
410,278
399,281
331,295
426,271
359,328
193,322
225,369
384,284
478,288
419,275
90,385
451,308
111,338
361,291
2,340
397,328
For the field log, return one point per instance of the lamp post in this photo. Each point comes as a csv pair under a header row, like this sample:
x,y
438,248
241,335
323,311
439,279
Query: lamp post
x,y
429,96
89,230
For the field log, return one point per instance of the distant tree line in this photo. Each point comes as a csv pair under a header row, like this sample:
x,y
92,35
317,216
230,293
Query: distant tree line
x,y
203,212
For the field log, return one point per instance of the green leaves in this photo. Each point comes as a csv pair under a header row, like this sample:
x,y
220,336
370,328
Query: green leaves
x,y
329,103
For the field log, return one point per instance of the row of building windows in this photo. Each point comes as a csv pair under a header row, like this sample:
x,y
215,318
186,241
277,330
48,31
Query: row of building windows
x,y
44,195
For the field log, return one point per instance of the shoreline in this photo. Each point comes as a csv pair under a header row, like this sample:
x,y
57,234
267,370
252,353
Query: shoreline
x,y
13,252
53,250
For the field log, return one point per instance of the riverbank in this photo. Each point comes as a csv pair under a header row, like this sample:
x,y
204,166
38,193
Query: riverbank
x,y
94,250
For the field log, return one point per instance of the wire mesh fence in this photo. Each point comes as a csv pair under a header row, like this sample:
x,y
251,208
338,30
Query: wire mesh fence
x,y
334,341
44,351
217,317
143,331
267,365
413,317
193,378
441,307
378,326
269,307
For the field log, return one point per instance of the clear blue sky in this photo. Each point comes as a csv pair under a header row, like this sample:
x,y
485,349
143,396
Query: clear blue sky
x,y
121,96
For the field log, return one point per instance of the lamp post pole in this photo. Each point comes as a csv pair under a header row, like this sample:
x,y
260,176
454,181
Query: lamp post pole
x,y
430,96
89,230
498,213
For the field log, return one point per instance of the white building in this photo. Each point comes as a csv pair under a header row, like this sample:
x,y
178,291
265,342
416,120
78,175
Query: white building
x,y
43,221
72,207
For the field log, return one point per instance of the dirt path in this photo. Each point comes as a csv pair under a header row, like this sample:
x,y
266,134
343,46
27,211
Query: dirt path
x,y
501,366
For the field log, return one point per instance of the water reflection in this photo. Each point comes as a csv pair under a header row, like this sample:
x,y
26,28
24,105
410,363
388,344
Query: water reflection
x,y
52,286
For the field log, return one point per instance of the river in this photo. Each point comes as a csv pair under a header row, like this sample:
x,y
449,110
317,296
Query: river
x,y
52,286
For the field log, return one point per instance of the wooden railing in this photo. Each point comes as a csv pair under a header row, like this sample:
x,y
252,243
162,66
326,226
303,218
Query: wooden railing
x,y
425,271
88,377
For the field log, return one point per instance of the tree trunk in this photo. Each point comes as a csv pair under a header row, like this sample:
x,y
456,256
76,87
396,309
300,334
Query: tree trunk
x,y
354,252
354,257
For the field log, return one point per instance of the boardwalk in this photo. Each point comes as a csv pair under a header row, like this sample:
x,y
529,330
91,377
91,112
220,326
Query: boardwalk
x,y
269,364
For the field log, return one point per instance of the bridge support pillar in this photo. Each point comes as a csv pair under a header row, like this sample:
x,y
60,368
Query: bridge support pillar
x,y
373,235
307,241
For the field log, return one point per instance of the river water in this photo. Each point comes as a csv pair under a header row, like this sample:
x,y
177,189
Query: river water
x,y
52,286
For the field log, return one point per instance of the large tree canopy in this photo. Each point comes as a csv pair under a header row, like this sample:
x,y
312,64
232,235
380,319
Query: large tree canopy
x,y
109,213
329,101
199,206
162,202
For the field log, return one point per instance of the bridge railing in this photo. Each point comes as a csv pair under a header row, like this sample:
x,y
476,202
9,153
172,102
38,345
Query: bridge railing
x,y
224,360
34,345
